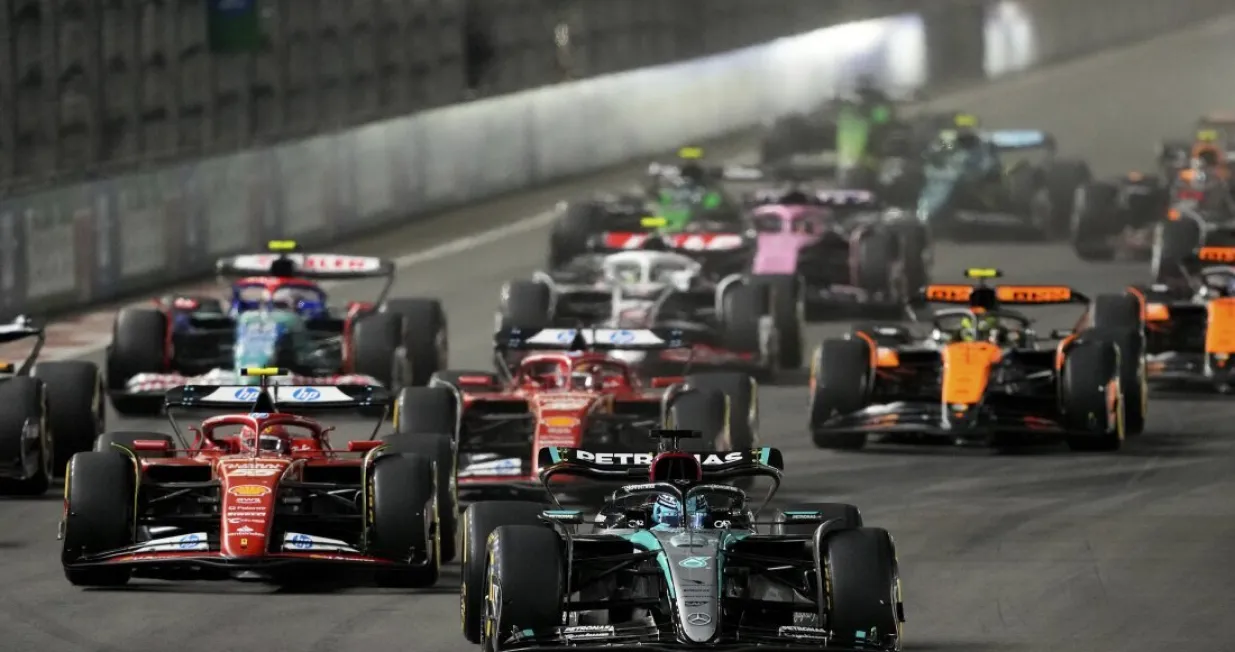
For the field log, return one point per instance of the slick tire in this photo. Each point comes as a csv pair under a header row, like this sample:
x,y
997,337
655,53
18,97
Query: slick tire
x,y
840,381
1063,177
527,305
1095,218
1118,318
575,225
98,507
847,516
865,597
705,410
915,258
426,411
479,521
404,524
138,346
744,307
1174,242
786,309
425,340
378,350
527,572
23,409
1089,367
742,391
877,257
440,449
76,412
109,441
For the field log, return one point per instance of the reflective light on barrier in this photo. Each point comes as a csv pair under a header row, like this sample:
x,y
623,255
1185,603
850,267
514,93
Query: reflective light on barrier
x,y
1011,40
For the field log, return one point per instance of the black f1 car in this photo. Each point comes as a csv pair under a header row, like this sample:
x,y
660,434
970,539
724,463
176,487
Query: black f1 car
x,y
677,561
48,411
982,375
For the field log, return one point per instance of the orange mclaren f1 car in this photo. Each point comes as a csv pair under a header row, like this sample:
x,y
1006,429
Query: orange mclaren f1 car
x,y
1190,327
981,374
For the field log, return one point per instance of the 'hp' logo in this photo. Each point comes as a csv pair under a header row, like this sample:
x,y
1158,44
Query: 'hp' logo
x,y
300,542
247,394
306,394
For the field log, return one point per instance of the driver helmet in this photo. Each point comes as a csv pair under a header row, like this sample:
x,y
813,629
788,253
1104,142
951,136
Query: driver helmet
x,y
272,439
1207,158
967,139
588,377
980,327
682,470
692,173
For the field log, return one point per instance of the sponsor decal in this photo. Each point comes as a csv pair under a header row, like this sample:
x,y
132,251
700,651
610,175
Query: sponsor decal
x,y
246,394
587,631
236,509
694,562
802,632
697,603
698,619
565,404
248,501
644,459
306,394
560,422
247,531
249,490
299,542
190,541
253,473
240,520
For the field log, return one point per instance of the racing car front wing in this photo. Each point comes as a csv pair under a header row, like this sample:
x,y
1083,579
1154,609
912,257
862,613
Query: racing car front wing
x,y
932,419
651,636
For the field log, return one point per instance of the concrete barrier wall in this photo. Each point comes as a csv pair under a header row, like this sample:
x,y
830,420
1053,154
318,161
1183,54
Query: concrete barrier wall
x,y
91,242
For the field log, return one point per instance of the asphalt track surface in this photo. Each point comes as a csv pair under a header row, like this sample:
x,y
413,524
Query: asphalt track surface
x,y
1044,550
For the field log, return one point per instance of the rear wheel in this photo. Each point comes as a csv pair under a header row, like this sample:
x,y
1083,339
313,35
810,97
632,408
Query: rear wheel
x,y
526,577
742,320
839,385
479,521
98,508
876,255
75,405
377,350
743,394
705,410
864,598
527,305
138,346
1174,242
440,449
404,525
1063,178
1118,318
1095,218
786,310
25,436
424,336
575,225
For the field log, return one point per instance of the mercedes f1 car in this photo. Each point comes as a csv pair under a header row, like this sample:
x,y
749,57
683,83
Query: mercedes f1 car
x,y
1190,329
48,412
567,390
259,495
277,316
678,560
727,318
983,375
1010,179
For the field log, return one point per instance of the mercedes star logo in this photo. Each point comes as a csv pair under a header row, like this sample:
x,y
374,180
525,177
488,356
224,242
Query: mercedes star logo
x,y
699,620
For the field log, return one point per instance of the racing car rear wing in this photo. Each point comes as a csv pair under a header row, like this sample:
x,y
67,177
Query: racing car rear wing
x,y
278,397
1003,294
1020,139
596,339
19,329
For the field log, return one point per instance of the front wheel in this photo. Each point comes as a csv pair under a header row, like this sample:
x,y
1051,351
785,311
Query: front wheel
x,y
525,578
865,596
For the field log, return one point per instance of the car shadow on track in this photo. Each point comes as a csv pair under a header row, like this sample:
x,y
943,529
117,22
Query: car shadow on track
x,y
961,646
448,584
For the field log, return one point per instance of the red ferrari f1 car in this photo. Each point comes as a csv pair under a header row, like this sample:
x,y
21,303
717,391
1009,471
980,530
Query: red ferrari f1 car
x,y
259,495
567,391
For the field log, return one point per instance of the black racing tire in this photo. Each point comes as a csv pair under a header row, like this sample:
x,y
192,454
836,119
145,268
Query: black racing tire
x,y
839,384
877,255
1174,242
1063,178
138,346
742,391
787,311
1089,366
404,525
23,402
1095,217
1119,318
569,238
377,350
848,515
744,306
863,578
438,447
98,507
425,339
915,257
527,568
705,410
76,412
479,521
108,441
527,305
426,410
